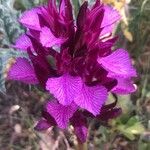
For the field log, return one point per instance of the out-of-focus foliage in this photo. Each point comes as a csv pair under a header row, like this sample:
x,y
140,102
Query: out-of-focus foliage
x,y
6,60
9,31
9,26
122,7
26,4
130,128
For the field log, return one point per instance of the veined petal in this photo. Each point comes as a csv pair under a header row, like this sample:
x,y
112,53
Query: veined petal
x,y
61,113
23,42
108,22
108,44
64,88
124,86
91,98
107,31
105,47
118,64
23,71
30,19
48,39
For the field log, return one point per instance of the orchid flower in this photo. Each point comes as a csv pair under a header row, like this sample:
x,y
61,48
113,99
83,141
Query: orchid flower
x,y
73,60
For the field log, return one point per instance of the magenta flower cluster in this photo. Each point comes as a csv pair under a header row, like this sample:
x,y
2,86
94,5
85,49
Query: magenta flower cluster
x,y
73,60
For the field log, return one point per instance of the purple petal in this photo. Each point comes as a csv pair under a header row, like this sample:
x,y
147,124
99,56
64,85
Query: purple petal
x,y
34,34
97,3
48,39
61,113
92,98
30,19
66,9
81,132
110,114
109,21
109,83
42,67
42,125
124,86
79,123
64,88
118,64
23,42
105,47
95,18
22,71
82,15
62,7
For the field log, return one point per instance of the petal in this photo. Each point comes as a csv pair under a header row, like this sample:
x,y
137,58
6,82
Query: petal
x,y
97,3
34,34
92,98
66,9
107,30
79,123
42,67
109,83
82,15
30,19
61,113
118,64
105,47
23,42
95,18
81,132
110,114
42,125
64,88
109,21
124,86
23,71
48,39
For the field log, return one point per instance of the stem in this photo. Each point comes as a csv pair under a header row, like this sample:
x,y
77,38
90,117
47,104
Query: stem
x,y
81,146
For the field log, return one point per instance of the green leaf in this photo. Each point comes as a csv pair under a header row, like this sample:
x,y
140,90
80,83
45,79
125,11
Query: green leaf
x,y
132,121
137,128
131,128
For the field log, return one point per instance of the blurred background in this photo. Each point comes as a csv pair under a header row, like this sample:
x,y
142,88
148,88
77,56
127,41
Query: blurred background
x,y
20,104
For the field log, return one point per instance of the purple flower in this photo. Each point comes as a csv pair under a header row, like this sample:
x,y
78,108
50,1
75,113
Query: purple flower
x,y
74,61
55,114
